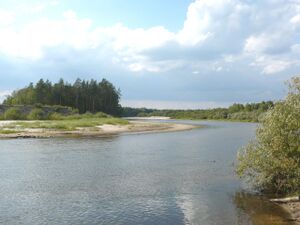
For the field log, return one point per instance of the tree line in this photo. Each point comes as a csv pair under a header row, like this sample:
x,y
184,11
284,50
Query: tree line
x,y
246,112
86,96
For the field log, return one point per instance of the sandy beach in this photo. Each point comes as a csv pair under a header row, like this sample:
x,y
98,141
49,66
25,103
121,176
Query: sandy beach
x,y
96,131
294,209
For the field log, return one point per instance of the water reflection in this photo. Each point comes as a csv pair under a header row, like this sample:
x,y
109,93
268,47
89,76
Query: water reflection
x,y
257,210
167,178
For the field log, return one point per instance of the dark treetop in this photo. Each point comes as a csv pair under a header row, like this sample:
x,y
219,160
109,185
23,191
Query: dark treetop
x,y
83,95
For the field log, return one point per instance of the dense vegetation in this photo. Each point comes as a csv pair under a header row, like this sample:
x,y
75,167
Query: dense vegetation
x,y
272,162
246,112
83,95
35,112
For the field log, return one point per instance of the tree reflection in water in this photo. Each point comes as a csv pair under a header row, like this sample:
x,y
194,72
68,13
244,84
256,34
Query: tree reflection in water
x,y
259,211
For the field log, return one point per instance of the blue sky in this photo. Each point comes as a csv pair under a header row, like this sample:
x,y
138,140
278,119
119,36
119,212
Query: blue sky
x,y
164,54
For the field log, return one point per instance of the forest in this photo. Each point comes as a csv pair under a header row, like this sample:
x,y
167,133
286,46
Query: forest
x,y
242,112
85,96
93,96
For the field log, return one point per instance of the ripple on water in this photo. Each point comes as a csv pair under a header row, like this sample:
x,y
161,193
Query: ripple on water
x,y
168,178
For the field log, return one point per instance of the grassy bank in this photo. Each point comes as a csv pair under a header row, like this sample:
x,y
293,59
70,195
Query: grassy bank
x,y
88,127
67,124
60,122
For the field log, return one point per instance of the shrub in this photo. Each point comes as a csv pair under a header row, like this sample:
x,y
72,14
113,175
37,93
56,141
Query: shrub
x,y
13,114
272,162
88,114
38,105
55,116
101,115
74,111
36,114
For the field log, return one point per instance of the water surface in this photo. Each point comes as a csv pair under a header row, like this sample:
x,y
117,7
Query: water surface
x,y
164,178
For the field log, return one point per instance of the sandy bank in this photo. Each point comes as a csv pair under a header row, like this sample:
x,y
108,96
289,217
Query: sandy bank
x,y
294,209
292,205
96,131
149,118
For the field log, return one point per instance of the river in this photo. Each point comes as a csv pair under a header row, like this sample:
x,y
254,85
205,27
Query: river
x,y
172,178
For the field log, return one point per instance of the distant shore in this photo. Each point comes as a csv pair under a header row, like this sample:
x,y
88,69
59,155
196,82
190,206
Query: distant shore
x,y
95,131
149,118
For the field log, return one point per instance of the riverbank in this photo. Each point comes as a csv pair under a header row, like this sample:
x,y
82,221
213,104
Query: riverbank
x,y
48,129
294,209
292,205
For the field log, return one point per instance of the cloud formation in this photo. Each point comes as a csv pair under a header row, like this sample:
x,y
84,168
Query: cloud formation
x,y
212,29
217,37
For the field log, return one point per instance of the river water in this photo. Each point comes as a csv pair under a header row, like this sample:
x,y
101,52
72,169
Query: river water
x,y
173,178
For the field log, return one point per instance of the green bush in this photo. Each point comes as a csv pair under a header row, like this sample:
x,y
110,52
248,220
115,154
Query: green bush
x,y
101,115
74,111
88,114
272,162
38,105
13,114
55,116
36,114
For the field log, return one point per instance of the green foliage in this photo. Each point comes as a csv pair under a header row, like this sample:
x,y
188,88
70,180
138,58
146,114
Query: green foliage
x,y
13,114
272,162
236,108
102,115
36,114
38,105
249,112
75,111
88,115
83,95
6,131
55,116
69,123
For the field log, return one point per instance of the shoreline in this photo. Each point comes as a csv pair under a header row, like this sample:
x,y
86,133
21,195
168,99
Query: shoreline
x,y
291,205
294,209
134,127
191,119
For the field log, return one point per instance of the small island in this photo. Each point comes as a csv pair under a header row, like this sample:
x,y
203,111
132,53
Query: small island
x,y
85,108
83,127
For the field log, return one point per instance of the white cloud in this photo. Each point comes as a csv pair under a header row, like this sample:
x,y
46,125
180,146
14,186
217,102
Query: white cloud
x,y
274,43
295,19
276,67
256,44
6,18
32,39
272,65
41,6
216,32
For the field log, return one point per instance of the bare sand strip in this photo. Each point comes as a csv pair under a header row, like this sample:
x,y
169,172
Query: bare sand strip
x,y
134,127
149,118
294,209
292,205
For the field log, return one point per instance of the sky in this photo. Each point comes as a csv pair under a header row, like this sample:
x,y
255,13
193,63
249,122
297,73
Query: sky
x,y
161,54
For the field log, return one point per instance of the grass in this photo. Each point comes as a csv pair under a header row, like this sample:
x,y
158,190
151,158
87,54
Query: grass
x,y
8,131
64,123
68,124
